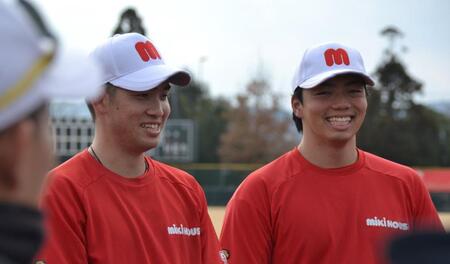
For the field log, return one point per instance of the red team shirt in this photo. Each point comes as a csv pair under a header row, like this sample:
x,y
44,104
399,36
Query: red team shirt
x,y
291,211
97,216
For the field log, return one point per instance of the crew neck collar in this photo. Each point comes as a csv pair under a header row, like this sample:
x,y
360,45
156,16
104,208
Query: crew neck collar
x,y
340,171
145,178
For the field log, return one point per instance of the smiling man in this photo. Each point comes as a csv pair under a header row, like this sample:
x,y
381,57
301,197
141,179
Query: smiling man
x,y
111,203
326,201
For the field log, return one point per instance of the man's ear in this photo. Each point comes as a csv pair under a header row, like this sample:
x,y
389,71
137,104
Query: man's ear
x,y
101,103
14,144
297,107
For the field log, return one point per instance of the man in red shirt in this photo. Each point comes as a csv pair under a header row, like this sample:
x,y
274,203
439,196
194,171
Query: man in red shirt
x,y
326,201
113,204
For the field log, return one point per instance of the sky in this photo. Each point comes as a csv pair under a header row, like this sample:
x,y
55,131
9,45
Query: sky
x,y
239,39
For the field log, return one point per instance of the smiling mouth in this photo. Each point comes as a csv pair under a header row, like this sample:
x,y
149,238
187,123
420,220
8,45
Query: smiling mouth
x,y
339,121
153,128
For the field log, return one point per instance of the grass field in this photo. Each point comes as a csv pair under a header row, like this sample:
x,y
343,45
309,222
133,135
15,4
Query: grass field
x,y
217,213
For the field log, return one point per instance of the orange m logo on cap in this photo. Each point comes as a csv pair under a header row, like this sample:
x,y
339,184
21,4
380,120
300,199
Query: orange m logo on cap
x,y
147,51
336,56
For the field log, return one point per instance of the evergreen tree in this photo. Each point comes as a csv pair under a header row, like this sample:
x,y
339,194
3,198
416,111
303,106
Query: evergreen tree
x,y
194,102
396,127
129,22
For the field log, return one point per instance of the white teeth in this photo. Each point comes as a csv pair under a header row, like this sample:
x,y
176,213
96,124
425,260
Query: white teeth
x,y
339,119
151,126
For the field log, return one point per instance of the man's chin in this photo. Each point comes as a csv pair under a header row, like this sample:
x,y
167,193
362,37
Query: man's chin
x,y
149,146
342,138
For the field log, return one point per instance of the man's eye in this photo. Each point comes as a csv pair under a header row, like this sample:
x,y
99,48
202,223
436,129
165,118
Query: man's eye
x,y
323,93
356,91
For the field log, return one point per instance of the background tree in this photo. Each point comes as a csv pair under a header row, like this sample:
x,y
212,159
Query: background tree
x,y
258,130
129,21
397,127
194,102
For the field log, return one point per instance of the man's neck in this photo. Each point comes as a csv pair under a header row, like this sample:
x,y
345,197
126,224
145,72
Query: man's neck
x,y
123,162
329,155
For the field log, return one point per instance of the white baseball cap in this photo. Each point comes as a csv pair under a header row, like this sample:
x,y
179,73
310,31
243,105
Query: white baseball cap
x,y
32,70
131,61
325,61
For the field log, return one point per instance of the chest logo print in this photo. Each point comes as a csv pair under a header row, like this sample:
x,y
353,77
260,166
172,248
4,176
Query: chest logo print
x,y
383,222
183,230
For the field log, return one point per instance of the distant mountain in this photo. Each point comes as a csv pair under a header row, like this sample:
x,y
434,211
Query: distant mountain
x,y
442,107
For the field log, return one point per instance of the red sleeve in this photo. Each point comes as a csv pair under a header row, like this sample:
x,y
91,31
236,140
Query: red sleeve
x,y
425,214
210,242
246,232
65,244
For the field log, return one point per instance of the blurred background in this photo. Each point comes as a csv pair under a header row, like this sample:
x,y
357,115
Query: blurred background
x,y
235,115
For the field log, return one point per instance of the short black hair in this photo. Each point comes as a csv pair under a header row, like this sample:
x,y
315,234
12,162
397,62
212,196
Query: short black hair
x,y
298,94
38,112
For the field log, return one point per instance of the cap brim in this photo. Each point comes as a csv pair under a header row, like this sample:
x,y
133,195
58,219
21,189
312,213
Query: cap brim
x,y
318,79
72,75
150,77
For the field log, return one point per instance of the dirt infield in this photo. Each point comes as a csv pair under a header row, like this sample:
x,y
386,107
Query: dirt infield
x,y
217,213
445,218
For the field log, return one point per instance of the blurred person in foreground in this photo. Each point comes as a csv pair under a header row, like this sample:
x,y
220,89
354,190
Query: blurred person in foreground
x,y
326,201
32,72
420,248
113,204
